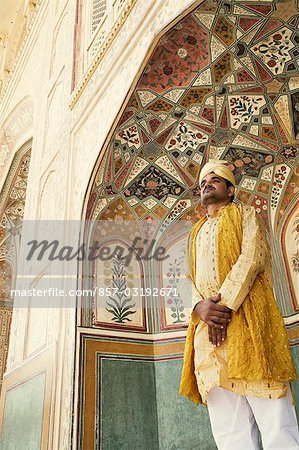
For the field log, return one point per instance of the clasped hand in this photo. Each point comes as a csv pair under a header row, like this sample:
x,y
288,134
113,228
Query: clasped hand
x,y
216,317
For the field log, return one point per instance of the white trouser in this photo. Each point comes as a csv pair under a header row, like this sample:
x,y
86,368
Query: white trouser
x,y
235,421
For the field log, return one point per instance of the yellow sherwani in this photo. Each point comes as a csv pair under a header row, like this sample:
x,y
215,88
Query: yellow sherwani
x,y
210,362
246,289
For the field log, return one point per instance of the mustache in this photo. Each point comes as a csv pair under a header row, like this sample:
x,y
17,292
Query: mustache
x,y
208,188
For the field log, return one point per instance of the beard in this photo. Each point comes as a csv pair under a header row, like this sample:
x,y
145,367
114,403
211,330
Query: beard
x,y
209,197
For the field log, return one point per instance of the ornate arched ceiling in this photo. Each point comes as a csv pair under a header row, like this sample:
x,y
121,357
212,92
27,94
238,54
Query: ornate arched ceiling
x,y
221,83
218,84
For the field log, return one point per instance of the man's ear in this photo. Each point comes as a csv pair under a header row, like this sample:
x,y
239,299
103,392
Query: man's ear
x,y
231,191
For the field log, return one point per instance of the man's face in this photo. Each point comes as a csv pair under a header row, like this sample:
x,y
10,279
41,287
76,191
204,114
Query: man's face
x,y
214,189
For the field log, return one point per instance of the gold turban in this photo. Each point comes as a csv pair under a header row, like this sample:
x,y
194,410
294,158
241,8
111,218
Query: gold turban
x,y
220,168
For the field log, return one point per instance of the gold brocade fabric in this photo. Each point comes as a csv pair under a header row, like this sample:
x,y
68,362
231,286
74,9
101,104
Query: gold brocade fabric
x,y
250,353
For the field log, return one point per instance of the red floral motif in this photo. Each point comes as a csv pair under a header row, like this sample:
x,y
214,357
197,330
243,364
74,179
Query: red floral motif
x,y
274,51
261,206
130,135
243,108
279,178
289,151
180,54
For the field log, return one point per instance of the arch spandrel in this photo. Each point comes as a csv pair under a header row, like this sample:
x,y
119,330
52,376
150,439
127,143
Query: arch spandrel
x,y
12,204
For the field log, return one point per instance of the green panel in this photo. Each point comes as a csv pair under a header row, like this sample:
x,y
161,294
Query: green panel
x,y
182,425
295,385
142,408
23,413
129,415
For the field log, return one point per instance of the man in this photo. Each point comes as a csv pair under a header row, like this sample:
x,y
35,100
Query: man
x,y
237,357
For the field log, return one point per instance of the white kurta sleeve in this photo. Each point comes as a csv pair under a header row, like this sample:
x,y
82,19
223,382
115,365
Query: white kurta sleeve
x,y
250,263
192,289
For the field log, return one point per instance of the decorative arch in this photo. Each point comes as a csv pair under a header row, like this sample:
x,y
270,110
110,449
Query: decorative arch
x,y
216,86
290,251
12,204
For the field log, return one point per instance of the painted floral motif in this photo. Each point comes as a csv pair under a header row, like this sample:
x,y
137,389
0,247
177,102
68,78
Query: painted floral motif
x,y
24,168
248,183
154,182
284,114
267,174
174,302
295,262
139,165
186,137
289,151
264,187
177,210
129,136
274,51
164,163
119,303
279,178
150,203
243,108
261,204
182,52
169,65
268,132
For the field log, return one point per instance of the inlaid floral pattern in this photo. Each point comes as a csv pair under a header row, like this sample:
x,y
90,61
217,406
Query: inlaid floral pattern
x,y
274,51
243,108
221,83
